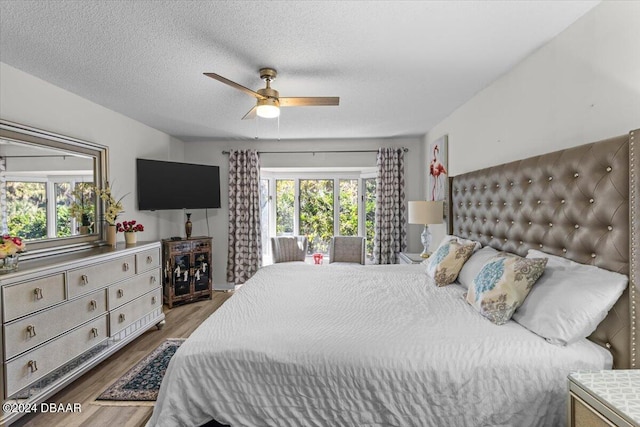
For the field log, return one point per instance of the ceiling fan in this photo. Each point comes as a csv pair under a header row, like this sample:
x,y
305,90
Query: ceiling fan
x,y
269,100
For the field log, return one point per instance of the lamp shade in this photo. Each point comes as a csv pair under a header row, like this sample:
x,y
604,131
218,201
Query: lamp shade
x,y
423,212
268,108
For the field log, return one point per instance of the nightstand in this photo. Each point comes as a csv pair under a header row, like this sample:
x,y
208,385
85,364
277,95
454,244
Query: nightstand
x,y
409,258
604,398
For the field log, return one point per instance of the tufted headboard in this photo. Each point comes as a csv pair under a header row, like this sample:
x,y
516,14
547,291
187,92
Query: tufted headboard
x,y
580,203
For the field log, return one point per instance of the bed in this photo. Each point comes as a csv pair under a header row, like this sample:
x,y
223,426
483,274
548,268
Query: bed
x,y
383,346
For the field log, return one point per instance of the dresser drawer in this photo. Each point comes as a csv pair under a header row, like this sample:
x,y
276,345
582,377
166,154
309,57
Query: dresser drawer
x,y
27,297
87,279
123,292
202,245
31,331
585,415
179,246
147,260
37,363
127,314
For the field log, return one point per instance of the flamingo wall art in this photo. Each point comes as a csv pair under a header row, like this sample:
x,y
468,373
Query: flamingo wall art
x,y
437,181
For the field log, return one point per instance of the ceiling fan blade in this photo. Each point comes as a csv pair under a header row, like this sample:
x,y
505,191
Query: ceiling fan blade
x,y
309,101
251,114
234,84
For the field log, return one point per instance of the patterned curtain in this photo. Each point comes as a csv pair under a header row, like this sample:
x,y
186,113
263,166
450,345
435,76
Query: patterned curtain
x,y
390,221
245,243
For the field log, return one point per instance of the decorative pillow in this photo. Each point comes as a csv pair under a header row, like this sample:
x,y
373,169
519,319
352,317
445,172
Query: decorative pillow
x,y
445,263
450,237
502,285
570,299
472,267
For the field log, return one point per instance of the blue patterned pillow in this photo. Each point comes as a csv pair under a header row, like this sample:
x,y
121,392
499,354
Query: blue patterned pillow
x,y
447,261
502,285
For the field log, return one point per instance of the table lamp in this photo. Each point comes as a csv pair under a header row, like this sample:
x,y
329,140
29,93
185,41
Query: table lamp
x,y
425,213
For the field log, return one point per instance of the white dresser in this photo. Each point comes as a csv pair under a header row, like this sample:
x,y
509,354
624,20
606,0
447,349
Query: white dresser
x,y
61,315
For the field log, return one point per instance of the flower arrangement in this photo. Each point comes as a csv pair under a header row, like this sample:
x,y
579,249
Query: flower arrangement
x,y
129,227
11,245
113,207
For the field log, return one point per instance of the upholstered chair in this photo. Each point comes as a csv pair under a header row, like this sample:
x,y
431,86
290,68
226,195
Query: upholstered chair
x,y
289,248
347,249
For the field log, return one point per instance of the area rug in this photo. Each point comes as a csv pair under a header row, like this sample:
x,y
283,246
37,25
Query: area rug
x,y
142,382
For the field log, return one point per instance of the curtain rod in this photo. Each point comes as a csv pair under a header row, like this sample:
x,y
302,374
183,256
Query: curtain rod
x,y
319,151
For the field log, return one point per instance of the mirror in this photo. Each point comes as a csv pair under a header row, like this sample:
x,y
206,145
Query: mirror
x,y
47,189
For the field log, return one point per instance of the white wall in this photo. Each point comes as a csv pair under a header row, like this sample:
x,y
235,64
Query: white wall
x,y
208,152
33,102
583,86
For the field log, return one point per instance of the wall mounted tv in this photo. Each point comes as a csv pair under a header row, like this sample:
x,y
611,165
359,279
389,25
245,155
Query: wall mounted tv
x,y
172,185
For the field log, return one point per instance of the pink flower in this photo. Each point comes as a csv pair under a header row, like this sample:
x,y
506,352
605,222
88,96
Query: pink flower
x,y
129,227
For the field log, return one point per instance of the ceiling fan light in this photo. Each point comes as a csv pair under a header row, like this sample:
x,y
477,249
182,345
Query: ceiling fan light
x,y
268,108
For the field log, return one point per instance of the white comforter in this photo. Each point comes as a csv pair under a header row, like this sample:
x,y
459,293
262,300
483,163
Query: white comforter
x,y
340,345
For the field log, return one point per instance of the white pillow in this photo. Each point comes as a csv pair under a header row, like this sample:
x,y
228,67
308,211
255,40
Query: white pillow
x,y
472,267
569,300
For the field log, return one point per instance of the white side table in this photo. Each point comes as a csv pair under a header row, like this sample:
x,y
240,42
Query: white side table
x,y
604,398
409,258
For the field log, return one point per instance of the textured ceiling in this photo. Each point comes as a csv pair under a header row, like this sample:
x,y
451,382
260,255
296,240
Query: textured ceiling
x,y
398,67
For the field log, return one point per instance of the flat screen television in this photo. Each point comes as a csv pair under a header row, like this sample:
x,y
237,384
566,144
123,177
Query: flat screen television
x,y
166,185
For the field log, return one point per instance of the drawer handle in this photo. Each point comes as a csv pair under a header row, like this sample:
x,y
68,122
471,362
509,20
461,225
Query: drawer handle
x,y
93,304
153,279
149,259
121,318
153,300
120,293
85,279
125,266
31,331
33,365
94,332
38,293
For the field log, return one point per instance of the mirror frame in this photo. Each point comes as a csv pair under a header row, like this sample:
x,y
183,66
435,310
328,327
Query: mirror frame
x,y
100,153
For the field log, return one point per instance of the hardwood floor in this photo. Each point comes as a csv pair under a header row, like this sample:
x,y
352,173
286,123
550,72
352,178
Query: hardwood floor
x,y
180,322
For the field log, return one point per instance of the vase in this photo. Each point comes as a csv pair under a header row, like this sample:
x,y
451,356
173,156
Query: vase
x,y
130,238
9,263
188,226
111,235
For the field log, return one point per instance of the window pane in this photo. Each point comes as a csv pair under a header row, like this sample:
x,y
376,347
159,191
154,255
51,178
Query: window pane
x,y
316,213
369,213
285,199
63,201
348,207
82,206
27,209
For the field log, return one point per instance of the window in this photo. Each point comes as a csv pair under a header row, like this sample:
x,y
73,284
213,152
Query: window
x,y
318,205
63,200
348,224
285,207
369,213
38,208
27,213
